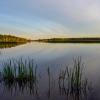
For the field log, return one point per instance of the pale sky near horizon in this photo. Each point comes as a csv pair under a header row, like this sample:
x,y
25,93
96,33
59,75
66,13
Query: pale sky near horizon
x,y
50,18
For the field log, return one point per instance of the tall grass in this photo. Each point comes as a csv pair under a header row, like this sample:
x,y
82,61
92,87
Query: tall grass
x,y
23,73
19,72
21,69
72,78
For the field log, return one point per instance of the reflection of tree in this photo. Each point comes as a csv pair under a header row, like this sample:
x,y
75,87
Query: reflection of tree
x,y
9,45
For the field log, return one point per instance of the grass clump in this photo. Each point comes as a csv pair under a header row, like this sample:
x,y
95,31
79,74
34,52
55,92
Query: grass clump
x,y
19,74
72,78
19,70
7,72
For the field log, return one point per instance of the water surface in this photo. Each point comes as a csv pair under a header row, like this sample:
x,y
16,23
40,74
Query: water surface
x,y
56,56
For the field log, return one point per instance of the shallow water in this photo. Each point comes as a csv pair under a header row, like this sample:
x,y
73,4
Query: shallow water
x,y
56,56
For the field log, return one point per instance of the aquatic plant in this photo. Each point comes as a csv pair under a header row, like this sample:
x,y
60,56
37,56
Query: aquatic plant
x,y
72,78
19,72
7,72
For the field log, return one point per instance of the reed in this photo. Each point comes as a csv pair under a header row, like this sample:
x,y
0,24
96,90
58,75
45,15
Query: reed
x,y
72,78
22,73
17,70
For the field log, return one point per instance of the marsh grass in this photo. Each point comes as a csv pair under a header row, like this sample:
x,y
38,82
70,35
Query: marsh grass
x,y
22,73
19,72
72,79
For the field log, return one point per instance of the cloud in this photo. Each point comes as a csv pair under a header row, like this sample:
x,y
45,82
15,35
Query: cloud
x,y
52,16
79,10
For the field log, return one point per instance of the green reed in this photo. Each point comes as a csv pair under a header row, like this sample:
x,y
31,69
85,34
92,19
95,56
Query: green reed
x,y
73,78
17,70
22,73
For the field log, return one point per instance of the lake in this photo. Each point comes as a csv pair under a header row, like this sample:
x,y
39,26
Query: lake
x,y
56,56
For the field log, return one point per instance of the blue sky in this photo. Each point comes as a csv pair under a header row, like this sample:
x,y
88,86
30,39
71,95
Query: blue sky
x,y
50,18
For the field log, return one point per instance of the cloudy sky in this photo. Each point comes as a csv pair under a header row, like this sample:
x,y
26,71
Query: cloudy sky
x,y
50,18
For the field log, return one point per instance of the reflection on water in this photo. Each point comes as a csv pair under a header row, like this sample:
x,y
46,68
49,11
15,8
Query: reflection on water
x,y
9,45
21,86
52,60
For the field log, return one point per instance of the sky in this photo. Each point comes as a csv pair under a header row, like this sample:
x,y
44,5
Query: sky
x,y
50,18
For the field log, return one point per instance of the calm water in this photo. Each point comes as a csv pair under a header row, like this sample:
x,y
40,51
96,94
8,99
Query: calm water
x,y
56,56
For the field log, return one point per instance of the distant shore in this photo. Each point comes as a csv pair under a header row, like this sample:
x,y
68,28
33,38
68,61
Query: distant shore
x,y
7,39
70,40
